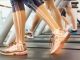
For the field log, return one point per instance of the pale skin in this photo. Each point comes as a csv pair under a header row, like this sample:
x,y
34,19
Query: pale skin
x,y
57,14
50,5
69,12
47,17
19,21
36,20
54,12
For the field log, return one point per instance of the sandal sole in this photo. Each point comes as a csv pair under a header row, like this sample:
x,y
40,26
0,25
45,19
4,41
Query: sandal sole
x,y
14,53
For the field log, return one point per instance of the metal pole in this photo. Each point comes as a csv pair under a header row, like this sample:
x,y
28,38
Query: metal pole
x,y
6,27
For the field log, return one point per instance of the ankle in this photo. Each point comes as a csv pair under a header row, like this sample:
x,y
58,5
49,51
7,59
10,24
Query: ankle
x,y
20,46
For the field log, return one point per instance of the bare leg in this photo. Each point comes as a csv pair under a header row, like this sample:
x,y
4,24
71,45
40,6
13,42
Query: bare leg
x,y
67,24
36,20
60,36
52,7
19,19
55,12
69,12
65,20
19,24
42,10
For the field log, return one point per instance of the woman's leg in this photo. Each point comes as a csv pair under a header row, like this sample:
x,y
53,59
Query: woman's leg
x,y
54,11
67,23
21,25
19,22
69,12
42,10
50,5
19,19
36,20
59,34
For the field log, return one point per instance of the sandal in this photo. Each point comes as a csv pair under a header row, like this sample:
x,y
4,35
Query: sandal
x,y
58,40
14,53
29,35
17,49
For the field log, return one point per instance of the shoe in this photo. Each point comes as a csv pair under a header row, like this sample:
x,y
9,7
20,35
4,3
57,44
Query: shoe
x,y
72,30
68,27
29,35
17,49
58,40
78,21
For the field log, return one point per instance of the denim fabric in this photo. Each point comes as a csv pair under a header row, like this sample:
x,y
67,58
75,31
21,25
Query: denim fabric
x,y
18,4
63,13
33,4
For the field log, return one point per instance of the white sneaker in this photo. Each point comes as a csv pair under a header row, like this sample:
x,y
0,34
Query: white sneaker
x,y
58,41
